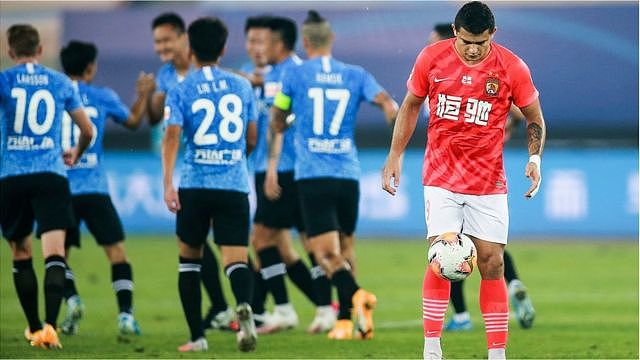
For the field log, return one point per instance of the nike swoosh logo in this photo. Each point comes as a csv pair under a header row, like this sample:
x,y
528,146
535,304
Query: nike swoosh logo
x,y
498,344
440,80
431,332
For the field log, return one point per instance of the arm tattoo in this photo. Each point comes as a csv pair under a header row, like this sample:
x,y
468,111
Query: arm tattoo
x,y
534,138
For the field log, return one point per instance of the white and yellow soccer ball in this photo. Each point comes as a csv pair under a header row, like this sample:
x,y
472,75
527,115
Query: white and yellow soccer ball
x,y
452,256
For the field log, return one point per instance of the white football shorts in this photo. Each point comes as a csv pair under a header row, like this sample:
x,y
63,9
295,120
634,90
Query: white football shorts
x,y
485,217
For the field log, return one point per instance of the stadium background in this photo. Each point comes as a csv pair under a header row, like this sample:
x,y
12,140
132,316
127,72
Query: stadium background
x,y
584,60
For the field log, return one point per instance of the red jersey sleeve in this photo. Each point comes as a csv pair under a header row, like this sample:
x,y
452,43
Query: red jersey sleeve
x,y
418,83
523,91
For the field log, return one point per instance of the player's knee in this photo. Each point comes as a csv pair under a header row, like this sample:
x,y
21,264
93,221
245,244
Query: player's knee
x,y
189,251
116,253
288,254
491,265
21,249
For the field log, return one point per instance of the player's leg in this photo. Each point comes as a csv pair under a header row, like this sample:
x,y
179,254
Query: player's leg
x,y
348,192
276,222
443,215
103,222
521,301
26,283
297,270
270,223
16,220
486,221
193,221
54,214
75,307
319,201
325,315
260,315
461,320
219,316
231,233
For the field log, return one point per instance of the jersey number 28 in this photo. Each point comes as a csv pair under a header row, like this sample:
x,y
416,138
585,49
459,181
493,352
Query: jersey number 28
x,y
231,126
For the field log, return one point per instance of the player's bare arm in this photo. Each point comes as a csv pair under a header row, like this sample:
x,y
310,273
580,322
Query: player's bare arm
x,y
251,137
81,119
155,107
513,121
388,106
144,88
405,125
275,139
170,144
536,134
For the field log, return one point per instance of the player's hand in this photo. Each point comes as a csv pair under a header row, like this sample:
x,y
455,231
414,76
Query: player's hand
x,y
532,171
272,189
146,83
171,199
70,157
391,170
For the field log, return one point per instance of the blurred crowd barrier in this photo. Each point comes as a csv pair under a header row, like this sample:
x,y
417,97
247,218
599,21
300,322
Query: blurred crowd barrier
x,y
585,193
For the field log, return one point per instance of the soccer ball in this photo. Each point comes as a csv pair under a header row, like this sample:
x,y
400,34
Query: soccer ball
x,y
452,256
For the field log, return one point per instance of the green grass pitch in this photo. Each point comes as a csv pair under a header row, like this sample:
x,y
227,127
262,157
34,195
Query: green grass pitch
x,y
585,294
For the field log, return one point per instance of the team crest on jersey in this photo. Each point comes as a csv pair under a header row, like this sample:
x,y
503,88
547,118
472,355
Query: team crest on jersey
x,y
492,86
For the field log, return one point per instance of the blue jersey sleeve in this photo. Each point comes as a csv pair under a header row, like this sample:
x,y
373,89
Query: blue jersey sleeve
x,y
289,82
71,96
173,109
252,104
115,109
370,87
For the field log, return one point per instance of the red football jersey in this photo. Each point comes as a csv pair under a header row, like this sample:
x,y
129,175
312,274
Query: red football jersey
x,y
468,107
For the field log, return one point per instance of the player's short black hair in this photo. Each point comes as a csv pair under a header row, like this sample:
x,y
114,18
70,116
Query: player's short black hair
x,y
76,56
260,21
23,39
313,17
444,30
475,17
169,18
207,37
287,30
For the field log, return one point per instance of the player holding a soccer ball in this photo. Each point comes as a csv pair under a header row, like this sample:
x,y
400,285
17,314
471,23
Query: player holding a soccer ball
x,y
471,84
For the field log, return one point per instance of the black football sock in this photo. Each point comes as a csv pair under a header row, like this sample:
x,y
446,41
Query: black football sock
x,y
54,278
273,270
241,282
122,282
190,295
26,283
259,291
301,277
346,285
211,280
457,297
321,284
509,268
69,284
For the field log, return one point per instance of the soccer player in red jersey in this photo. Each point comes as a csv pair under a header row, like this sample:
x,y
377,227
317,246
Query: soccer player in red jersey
x,y
471,83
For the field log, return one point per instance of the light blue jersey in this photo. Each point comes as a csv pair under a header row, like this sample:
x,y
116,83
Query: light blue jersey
x,y
325,96
88,176
272,85
214,108
33,99
258,158
166,79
